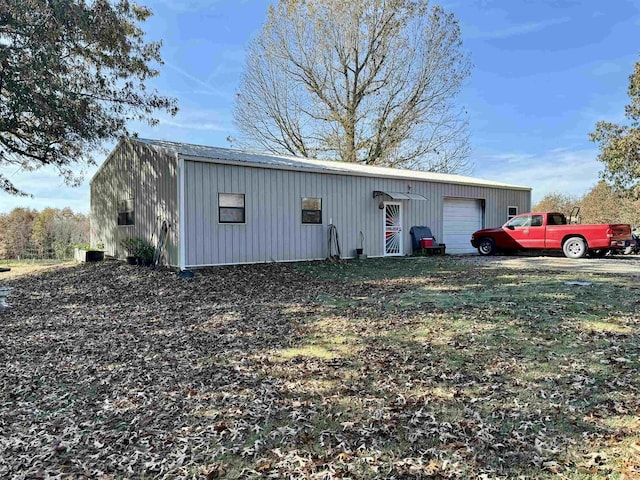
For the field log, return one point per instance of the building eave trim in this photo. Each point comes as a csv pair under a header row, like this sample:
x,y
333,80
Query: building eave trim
x,y
222,161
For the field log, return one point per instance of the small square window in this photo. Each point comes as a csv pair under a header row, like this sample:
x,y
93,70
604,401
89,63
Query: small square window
x,y
312,210
511,212
231,208
125,211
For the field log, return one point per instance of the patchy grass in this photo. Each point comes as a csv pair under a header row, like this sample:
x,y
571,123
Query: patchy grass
x,y
388,368
380,268
21,268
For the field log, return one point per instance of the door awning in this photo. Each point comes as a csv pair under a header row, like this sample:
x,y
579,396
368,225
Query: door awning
x,y
399,195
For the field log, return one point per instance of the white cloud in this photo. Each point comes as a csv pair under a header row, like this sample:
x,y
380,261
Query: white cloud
x,y
190,5
572,172
607,68
47,189
513,30
208,88
212,127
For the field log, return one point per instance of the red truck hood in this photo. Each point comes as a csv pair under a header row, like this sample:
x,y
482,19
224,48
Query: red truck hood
x,y
486,231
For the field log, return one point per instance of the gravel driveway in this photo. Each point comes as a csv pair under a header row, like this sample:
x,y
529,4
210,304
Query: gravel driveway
x,y
625,265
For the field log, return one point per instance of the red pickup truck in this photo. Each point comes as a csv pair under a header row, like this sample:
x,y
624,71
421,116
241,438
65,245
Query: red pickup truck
x,y
550,231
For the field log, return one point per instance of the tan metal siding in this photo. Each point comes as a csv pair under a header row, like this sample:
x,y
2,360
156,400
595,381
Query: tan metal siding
x,y
273,230
151,176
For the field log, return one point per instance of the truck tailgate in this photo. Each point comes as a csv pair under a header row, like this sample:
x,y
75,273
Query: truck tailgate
x,y
620,232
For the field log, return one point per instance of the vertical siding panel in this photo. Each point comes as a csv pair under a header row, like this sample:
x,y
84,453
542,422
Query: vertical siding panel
x,y
216,245
200,213
333,191
313,234
312,242
189,209
239,231
296,209
285,238
221,230
232,230
356,203
217,175
267,209
267,189
197,179
345,212
227,229
260,233
349,208
206,207
255,253
243,231
275,227
296,182
287,234
218,187
279,215
350,186
326,186
191,213
210,177
270,200
303,231
249,198
250,218
275,216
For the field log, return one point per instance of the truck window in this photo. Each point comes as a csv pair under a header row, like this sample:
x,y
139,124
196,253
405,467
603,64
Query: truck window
x,y
557,219
536,221
524,221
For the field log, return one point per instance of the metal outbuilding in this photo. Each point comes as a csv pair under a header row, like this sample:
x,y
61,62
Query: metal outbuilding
x,y
228,206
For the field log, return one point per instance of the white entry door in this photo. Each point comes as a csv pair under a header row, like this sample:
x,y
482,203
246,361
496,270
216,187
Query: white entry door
x,y
393,244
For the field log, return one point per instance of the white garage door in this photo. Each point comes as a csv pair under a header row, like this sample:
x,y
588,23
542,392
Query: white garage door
x,y
461,217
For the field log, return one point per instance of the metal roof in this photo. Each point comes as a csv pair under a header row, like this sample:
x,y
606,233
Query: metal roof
x,y
227,155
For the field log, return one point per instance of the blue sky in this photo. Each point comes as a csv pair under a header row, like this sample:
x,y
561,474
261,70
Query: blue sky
x,y
544,73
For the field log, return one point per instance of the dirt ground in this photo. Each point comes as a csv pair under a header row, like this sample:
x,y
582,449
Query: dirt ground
x,y
624,264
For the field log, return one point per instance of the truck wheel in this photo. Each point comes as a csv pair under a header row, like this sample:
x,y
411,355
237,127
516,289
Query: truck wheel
x,y
486,246
574,247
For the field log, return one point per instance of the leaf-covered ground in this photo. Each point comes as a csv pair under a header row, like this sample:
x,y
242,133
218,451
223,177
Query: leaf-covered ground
x,y
401,368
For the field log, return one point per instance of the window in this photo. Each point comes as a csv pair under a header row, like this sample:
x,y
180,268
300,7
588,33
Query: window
x,y
511,212
556,219
231,208
520,222
125,211
312,210
536,221
526,221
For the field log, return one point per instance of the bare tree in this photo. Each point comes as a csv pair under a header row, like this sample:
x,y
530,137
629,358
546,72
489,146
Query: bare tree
x,y
556,202
369,81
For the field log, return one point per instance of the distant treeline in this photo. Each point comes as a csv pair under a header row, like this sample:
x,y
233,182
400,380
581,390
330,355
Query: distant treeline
x,y
49,234
601,204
